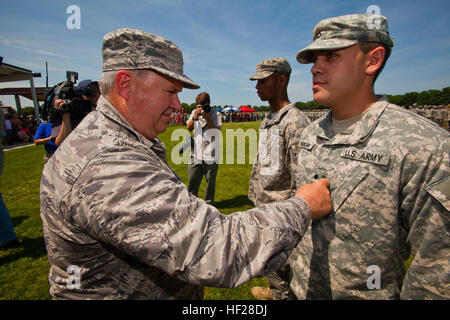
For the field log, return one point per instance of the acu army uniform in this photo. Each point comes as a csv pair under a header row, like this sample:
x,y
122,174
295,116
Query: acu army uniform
x,y
390,186
271,177
279,134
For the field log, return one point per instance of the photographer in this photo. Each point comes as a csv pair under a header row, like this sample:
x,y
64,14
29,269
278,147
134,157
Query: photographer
x,y
203,156
86,90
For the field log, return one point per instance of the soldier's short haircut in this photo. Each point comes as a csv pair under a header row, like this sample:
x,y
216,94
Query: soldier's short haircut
x,y
286,74
107,79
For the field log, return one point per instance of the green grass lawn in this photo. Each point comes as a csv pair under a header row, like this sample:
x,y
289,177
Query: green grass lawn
x,y
24,270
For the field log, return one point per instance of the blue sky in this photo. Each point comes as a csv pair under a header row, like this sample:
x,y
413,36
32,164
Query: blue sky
x,y
222,41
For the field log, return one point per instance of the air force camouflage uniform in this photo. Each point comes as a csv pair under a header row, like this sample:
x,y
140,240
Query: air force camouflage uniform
x,y
390,186
283,128
114,211
270,179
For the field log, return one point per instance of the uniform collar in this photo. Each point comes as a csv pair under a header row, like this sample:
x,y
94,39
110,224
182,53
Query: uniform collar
x,y
105,107
359,131
278,116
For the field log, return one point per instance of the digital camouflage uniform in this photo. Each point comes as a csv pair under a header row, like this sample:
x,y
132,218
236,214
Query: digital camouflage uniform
x,y
288,123
390,187
270,180
112,208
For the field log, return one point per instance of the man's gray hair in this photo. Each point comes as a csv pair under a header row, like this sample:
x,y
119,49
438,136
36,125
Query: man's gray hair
x,y
107,79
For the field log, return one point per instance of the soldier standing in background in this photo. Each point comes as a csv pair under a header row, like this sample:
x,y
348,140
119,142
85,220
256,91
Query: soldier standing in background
x,y
389,178
117,217
279,135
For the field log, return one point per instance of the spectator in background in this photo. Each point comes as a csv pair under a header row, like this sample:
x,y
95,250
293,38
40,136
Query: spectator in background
x,y
16,124
205,154
8,237
24,134
43,137
8,128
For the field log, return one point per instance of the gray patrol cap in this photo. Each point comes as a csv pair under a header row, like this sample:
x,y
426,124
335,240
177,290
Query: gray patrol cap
x,y
129,49
268,66
345,31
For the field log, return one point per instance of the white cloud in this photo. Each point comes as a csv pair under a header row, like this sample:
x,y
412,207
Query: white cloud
x,y
30,46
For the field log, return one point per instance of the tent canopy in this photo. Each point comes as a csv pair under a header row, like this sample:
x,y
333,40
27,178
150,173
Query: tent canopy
x,y
230,109
246,109
9,73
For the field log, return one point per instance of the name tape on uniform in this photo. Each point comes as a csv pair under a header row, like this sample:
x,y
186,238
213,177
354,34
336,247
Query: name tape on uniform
x,y
366,156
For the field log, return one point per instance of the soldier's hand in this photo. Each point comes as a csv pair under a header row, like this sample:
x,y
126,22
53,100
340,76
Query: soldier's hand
x,y
317,196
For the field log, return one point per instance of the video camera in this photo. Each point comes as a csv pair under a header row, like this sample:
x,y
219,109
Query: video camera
x,y
75,104
206,108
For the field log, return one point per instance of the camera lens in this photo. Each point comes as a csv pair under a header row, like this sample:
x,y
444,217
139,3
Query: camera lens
x,y
206,108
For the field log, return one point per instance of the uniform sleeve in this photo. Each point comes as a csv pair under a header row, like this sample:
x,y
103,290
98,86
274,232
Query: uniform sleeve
x,y
132,202
425,210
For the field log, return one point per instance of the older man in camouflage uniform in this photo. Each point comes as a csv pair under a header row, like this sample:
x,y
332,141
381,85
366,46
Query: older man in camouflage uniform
x,y
389,178
279,134
120,224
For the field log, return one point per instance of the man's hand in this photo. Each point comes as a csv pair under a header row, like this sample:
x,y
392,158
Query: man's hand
x,y
201,111
198,111
317,196
59,103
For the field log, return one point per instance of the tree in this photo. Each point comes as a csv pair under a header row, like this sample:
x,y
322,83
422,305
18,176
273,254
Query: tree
x,y
435,97
310,105
446,95
28,111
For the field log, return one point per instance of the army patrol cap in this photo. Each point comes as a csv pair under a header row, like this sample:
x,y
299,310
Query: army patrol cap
x,y
345,31
269,66
129,49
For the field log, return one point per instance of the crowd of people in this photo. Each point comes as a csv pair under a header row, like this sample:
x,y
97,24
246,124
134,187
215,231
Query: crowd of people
x,y
180,118
243,116
18,129
438,114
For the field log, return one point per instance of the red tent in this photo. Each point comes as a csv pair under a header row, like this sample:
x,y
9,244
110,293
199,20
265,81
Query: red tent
x,y
246,109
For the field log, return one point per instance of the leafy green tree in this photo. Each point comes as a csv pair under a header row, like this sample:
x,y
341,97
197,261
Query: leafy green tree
x,y
446,95
310,105
28,111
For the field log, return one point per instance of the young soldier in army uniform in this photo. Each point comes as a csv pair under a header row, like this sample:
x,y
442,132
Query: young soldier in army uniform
x,y
389,178
279,134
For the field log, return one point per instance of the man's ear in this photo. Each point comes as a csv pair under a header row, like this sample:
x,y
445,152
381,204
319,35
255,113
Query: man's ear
x,y
123,82
281,80
375,58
